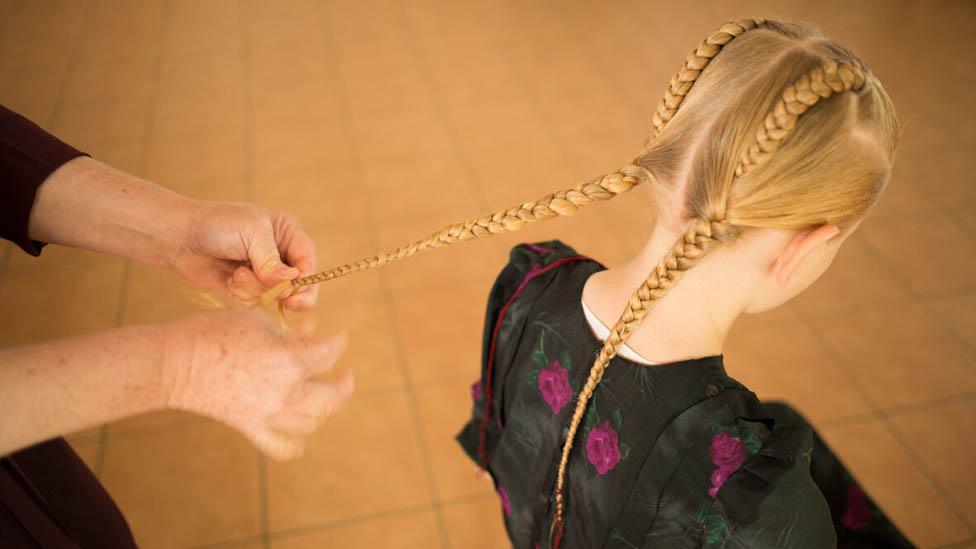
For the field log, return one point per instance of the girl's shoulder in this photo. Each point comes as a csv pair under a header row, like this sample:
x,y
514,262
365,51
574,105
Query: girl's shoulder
x,y
530,261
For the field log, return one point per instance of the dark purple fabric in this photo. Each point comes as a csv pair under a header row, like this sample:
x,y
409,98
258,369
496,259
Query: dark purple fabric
x,y
48,496
28,154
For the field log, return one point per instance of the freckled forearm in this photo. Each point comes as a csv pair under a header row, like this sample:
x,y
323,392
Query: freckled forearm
x,y
60,387
90,205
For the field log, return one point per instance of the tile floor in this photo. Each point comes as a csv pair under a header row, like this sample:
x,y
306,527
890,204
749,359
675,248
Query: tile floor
x,y
375,121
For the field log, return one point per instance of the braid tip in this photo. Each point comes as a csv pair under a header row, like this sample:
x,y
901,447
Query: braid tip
x,y
275,292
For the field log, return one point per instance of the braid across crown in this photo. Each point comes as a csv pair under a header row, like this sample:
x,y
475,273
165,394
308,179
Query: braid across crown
x,y
695,63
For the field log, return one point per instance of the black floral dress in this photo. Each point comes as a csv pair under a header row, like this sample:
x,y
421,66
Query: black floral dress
x,y
673,455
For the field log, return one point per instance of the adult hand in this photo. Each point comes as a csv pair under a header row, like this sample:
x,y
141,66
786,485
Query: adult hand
x,y
241,248
237,367
245,250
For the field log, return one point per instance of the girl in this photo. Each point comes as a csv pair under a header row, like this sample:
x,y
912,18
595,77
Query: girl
x,y
770,146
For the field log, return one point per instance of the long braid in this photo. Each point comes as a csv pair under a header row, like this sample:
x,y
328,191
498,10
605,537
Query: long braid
x,y
561,203
695,63
702,236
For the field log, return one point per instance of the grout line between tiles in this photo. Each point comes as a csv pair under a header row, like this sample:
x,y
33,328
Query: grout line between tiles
x,y
73,61
471,175
244,25
924,469
369,216
555,138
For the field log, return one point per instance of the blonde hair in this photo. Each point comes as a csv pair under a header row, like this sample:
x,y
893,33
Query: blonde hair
x,y
785,129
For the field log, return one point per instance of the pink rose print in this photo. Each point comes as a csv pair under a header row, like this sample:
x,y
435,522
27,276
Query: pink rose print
x,y
727,451
602,448
538,249
506,504
476,391
554,386
857,513
728,455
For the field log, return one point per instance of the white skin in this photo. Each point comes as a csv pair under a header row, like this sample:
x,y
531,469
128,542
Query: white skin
x,y
235,366
759,271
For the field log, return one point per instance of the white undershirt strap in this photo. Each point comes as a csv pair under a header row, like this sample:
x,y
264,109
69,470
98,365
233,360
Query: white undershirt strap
x,y
601,332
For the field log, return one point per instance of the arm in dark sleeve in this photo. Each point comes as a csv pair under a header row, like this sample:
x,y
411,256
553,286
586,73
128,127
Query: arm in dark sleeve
x,y
28,155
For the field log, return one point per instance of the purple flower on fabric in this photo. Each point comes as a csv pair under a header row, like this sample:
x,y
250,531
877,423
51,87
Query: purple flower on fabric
x,y
554,386
476,391
727,454
727,451
538,249
602,447
506,504
857,512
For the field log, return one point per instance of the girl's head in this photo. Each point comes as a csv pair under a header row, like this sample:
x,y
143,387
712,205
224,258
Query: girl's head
x,y
758,131
771,136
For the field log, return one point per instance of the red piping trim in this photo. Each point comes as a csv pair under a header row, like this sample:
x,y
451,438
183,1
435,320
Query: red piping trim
x,y
482,429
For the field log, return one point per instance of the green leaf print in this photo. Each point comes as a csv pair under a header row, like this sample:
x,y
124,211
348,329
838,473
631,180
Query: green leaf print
x,y
534,376
592,418
715,527
564,360
615,419
624,451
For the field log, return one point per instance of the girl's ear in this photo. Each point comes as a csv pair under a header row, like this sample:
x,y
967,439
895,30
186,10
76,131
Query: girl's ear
x,y
802,243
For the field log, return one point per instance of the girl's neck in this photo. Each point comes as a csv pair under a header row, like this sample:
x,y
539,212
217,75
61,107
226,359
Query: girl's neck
x,y
693,318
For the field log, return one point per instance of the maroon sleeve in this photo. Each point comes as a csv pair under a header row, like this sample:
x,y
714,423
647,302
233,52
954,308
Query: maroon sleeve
x,y
28,154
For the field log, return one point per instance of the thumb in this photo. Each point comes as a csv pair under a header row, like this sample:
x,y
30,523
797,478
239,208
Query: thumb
x,y
262,252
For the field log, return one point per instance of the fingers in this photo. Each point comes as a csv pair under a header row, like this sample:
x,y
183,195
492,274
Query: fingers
x,y
278,446
262,252
299,250
295,425
319,398
323,354
244,285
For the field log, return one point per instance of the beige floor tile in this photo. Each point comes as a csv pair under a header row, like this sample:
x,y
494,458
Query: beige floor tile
x,y
785,362
153,421
899,243
434,188
441,330
293,149
371,355
337,245
416,133
957,312
59,303
85,436
59,258
898,354
364,460
88,452
940,437
854,280
476,524
897,486
117,119
185,487
127,155
331,195
213,160
156,295
444,409
402,531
